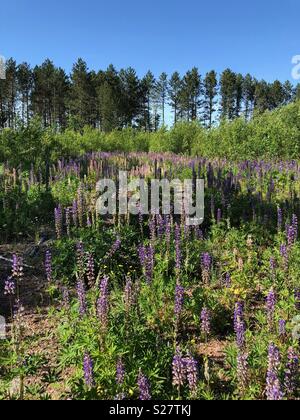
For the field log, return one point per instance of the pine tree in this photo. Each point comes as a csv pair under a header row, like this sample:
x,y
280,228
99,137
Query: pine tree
x,y
162,92
25,85
228,94
147,89
210,93
175,86
239,82
11,91
249,95
82,103
131,90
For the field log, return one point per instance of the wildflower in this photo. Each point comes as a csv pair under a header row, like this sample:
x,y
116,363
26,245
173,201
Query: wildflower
x,y
282,328
273,388
285,256
146,256
17,268
205,322
178,247
179,300
102,303
291,376
191,367
206,262
88,370
144,387
120,375
90,269
80,260
227,280
68,220
9,287
178,369
81,297
242,370
58,221
270,306
239,324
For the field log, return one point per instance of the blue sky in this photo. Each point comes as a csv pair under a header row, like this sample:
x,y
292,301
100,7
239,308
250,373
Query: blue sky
x,y
259,37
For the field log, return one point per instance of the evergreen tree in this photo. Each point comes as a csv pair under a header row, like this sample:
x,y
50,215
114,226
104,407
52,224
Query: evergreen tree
x,y
162,92
228,94
147,89
249,85
25,85
210,93
175,87
131,90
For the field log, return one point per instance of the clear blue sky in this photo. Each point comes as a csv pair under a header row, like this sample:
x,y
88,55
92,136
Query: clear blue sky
x,y
256,36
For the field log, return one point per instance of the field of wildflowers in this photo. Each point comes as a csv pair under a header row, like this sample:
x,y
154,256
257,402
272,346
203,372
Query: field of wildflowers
x,y
146,307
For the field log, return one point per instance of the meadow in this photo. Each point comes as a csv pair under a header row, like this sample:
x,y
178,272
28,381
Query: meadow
x,y
145,307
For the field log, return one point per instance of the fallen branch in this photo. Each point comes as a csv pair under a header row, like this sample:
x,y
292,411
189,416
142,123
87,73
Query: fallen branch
x,y
11,261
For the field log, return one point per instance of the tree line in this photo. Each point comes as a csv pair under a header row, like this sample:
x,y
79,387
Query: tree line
x,y
113,99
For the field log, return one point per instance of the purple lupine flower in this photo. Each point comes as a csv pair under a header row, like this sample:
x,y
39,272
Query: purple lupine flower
x,y
279,219
178,369
191,367
242,370
297,299
48,265
80,260
178,257
179,300
128,294
152,227
68,220
270,307
120,374
81,298
160,226
146,256
58,216
227,281
282,328
239,324
17,268
149,263
295,226
90,269
9,287
206,262
144,387
291,236
102,303
285,256
291,376
88,370
115,247
273,387
205,322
